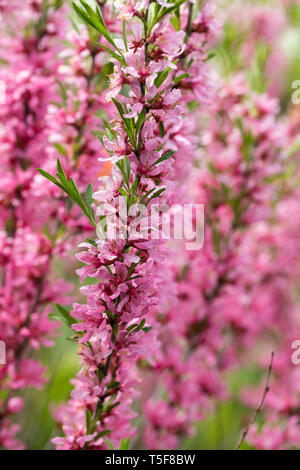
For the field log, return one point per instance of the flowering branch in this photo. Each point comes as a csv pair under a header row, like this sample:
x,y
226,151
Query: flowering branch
x,y
35,225
25,255
112,328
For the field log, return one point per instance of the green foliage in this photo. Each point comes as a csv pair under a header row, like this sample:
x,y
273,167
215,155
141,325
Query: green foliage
x,y
63,314
164,157
158,12
93,19
71,189
125,444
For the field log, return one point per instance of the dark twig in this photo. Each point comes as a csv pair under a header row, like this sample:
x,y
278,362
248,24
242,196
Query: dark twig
x,y
189,21
260,406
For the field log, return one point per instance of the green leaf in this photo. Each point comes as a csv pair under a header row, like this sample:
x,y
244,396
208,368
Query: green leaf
x,y
109,132
99,135
54,316
136,327
70,188
140,121
94,19
89,194
164,157
156,194
119,107
124,444
62,150
146,195
123,192
109,444
65,314
141,325
128,122
127,168
161,76
175,20
211,55
166,11
50,178
62,91
131,327
91,241
59,167
125,36
162,129
147,328
180,77
88,420
114,54
101,434
135,185
114,384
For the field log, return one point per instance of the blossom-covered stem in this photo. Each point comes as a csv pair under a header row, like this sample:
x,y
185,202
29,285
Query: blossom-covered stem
x,y
25,254
220,310
29,126
114,329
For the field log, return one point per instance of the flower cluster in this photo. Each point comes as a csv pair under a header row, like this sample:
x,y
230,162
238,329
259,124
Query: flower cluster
x,y
157,69
233,289
25,252
40,118
163,325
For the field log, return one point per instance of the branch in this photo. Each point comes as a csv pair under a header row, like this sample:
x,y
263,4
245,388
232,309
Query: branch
x,y
189,21
260,406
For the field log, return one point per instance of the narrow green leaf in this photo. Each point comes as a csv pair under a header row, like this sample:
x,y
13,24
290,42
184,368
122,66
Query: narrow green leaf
x,y
123,192
124,444
147,328
101,434
156,194
161,76
91,241
180,77
140,121
65,314
128,123
89,194
118,106
140,326
95,19
164,157
62,150
131,327
62,90
125,36
59,167
88,419
114,54
127,168
147,195
135,185
50,178
162,129
81,14
109,444
167,11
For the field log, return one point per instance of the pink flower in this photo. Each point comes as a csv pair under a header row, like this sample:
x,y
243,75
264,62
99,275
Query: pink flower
x,y
15,405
